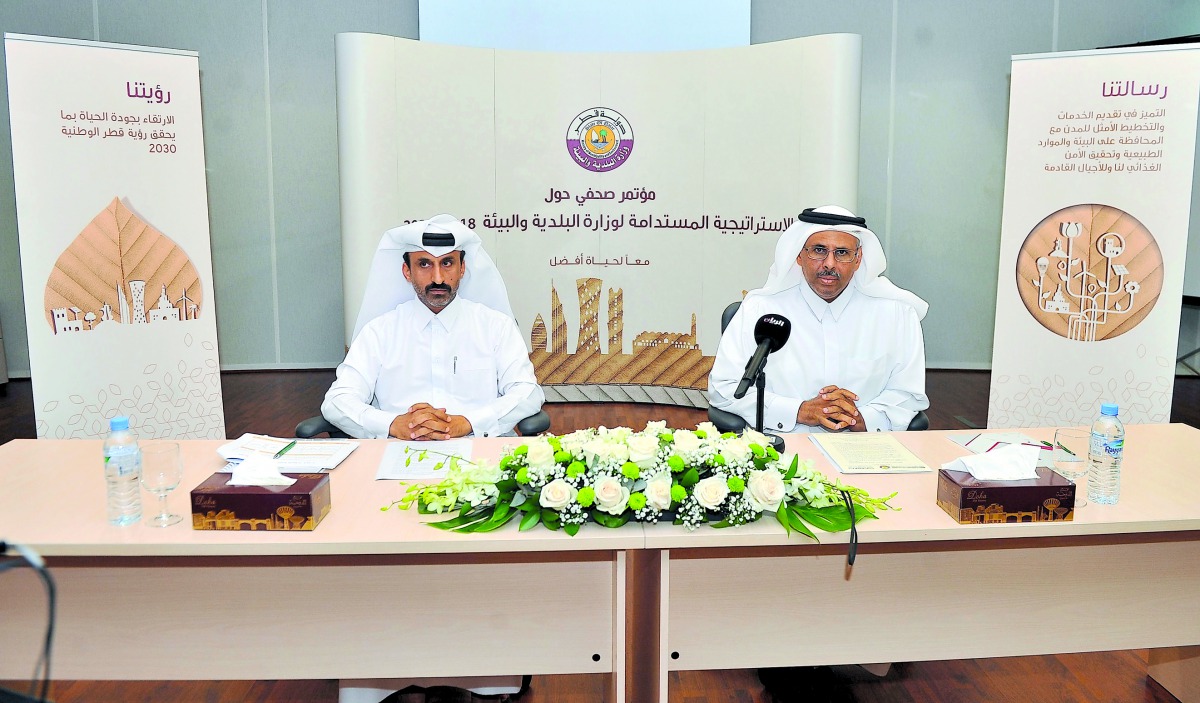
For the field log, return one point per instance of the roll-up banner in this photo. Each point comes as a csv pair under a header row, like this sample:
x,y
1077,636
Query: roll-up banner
x,y
627,198
1097,195
112,214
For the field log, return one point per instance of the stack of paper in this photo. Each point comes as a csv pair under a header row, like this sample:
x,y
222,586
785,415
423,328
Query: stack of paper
x,y
307,455
868,453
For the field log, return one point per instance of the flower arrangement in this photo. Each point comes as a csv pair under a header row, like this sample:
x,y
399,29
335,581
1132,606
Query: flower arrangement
x,y
614,476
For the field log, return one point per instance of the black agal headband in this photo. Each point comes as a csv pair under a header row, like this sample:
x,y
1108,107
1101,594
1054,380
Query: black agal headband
x,y
437,239
811,216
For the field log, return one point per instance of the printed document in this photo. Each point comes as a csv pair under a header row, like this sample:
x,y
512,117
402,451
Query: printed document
x,y
868,453
307,455
419,461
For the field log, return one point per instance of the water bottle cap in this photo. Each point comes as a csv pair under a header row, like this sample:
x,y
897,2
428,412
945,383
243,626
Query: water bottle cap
x,y
1109,409
118,423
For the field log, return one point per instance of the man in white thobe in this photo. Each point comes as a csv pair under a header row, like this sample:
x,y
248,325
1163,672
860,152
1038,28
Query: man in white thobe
x,y
855,359
436,355
439,356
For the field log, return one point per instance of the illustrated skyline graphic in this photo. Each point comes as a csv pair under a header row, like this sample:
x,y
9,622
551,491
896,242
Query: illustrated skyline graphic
x,y
670,359
106,272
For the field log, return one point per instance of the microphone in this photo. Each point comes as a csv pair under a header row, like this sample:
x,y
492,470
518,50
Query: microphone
x,y
771,332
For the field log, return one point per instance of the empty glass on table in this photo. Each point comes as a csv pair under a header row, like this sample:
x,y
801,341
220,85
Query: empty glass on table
x,y
162,470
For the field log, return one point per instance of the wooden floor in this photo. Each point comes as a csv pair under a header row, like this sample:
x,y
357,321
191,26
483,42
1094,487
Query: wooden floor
x,y
273,402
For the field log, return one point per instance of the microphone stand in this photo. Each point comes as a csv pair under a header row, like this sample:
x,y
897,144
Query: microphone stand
x,y
760,385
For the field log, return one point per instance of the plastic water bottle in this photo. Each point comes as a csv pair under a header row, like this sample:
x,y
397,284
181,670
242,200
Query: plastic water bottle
x,y
1104,456
122,473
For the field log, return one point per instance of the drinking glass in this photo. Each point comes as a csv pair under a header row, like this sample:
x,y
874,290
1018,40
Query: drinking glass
x,y
1071,459
162,470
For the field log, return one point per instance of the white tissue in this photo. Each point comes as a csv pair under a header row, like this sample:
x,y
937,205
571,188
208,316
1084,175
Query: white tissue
x,y
1015,462
257,470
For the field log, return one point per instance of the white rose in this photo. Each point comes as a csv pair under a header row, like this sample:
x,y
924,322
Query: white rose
x,y
710,430
618,452
595,449
643,450
658,491
765,489
540,455
711,492
750,436
482,472
611,495
686,441
735,450
557,494
656,427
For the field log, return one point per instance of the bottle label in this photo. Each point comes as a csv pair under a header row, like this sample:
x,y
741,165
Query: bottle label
x,y
125,465
1100,446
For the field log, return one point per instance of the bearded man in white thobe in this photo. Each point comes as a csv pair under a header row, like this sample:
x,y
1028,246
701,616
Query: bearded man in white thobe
x,y
436,355
439,354
855,359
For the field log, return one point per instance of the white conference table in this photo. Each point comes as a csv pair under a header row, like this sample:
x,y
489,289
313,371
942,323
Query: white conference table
x,y
377,594
368,594
924,587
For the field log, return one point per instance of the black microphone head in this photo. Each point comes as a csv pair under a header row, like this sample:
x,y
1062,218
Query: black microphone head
x,y
773,328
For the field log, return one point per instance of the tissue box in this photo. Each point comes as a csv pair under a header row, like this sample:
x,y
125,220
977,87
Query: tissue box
x,y
968,500
300,506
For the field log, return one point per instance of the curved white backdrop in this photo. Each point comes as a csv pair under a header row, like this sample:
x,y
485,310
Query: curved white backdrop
x,y
728,146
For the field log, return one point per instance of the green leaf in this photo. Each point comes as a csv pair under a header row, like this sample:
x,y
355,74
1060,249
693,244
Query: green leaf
x,y
531,518
782,516
464,518
721,524
495,523
571,529
517,500
508,484
550,519
502,510
862,512
834,518
791,472
690,478
612,521
798,525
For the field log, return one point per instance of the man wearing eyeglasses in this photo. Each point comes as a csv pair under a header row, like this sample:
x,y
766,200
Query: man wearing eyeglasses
x,y
855,359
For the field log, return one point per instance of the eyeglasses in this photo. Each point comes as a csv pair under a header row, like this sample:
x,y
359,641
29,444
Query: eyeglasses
x,y
842,255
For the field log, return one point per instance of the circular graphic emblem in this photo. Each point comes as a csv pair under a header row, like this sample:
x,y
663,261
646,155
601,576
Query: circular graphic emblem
x,y
1089,272
600,139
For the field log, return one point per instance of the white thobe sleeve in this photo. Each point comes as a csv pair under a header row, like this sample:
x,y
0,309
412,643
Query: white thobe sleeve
x,y
348,401
736,347
903,394
519,393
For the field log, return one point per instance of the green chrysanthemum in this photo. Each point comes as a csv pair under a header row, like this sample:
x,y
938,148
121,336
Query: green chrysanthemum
x,y
630,471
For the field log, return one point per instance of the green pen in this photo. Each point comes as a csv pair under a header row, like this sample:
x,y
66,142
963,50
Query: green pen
x,y
283,451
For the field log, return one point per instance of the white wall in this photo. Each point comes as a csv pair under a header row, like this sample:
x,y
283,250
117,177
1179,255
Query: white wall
x,y
935,96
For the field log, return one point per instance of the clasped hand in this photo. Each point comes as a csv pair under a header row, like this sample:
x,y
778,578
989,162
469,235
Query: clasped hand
x,y
423,421
833,408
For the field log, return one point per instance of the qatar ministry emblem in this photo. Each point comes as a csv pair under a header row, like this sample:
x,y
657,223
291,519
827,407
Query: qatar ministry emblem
x,y
600,139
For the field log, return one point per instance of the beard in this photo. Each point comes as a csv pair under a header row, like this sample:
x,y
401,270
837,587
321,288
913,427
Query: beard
x,y
424,295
